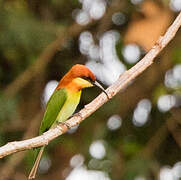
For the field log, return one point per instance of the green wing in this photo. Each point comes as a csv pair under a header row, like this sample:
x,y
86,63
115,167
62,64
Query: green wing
x,y
54,106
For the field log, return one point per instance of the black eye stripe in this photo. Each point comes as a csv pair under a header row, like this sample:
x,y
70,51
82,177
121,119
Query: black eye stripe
x,y
87,78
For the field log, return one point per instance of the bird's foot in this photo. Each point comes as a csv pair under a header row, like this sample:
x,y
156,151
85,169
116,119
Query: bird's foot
x,y
76,114
65,124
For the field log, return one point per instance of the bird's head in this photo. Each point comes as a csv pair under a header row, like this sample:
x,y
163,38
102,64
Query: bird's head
x,y
79,77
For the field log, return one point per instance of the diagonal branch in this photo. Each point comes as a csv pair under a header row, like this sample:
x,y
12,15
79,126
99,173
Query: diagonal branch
x,y
121,83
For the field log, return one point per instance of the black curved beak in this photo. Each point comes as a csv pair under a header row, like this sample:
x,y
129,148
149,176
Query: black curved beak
x,y
95,83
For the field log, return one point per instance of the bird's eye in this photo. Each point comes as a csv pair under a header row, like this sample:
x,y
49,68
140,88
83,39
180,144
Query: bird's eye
x,y
87,79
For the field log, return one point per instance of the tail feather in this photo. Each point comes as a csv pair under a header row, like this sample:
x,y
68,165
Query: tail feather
x,y
36,164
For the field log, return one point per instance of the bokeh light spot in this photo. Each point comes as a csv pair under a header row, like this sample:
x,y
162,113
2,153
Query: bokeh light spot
x,y
131,53
118,18
177,170
82,17
94,52
114,122
44,166
97,9
77,160
136,1
48,91
177,72
97,149
85,41
166,173
166,102
73,129
175,5
141,112
82,173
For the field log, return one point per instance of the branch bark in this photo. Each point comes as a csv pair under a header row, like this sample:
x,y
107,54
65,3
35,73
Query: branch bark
x,y
120,84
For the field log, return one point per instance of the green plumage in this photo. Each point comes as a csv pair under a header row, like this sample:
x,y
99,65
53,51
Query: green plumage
x,y
60,107
53,108
63,103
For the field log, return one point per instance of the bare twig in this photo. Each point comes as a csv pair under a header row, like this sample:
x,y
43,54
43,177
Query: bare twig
x,y
121,83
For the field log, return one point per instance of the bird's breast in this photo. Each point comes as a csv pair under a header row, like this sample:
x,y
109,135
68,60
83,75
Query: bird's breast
x,y
73,99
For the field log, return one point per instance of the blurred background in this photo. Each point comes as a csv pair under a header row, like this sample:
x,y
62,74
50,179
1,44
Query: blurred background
x,y
137,134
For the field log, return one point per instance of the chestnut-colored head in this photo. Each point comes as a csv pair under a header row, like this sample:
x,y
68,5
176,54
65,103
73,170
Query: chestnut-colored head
x,y
77,78
81,71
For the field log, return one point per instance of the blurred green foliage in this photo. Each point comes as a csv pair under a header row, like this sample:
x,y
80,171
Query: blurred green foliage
x,y
8,109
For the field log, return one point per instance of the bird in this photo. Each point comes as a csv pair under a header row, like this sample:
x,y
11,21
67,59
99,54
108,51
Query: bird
x,y
64,101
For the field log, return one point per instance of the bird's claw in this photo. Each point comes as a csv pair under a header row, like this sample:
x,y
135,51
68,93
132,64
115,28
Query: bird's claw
x,y
76,114
65,124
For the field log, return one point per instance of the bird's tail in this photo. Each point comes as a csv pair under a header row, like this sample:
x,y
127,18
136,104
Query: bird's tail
x,y
36,164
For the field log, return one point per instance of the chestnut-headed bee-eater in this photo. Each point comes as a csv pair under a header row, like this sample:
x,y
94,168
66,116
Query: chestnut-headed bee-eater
x,y
64,101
